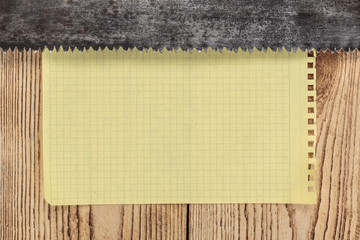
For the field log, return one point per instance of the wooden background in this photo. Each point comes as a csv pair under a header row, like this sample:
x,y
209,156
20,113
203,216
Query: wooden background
x,y
25,214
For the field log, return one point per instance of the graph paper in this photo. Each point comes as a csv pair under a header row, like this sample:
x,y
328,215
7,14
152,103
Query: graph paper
x,y
133,127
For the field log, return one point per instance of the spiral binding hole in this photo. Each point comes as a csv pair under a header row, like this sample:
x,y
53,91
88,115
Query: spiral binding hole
x,y
311,121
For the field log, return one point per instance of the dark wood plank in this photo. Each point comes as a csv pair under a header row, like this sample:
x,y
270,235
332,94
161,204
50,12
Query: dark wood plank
x,y
186,24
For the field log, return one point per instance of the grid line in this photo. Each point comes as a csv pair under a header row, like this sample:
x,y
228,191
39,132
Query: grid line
x,y
177,127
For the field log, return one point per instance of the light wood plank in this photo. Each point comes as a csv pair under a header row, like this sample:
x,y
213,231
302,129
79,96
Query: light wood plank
x,y
24,212
336,216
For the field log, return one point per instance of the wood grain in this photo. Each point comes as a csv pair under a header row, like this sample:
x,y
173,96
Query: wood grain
x,y
180,23
336,216
26,215
24,212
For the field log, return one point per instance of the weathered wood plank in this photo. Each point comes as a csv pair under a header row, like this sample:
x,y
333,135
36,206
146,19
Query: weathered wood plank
x,y
187,24
24,212
336,216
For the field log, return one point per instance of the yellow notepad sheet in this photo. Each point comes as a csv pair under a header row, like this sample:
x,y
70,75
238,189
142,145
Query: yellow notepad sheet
x,y
178,127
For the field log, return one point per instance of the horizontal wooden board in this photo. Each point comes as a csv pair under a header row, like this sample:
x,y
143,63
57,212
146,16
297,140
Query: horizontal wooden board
x,y
186,24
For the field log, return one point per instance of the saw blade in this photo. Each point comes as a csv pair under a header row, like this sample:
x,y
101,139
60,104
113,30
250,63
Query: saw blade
x,y
232,24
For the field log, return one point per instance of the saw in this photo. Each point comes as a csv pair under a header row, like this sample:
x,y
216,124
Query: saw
x,y
306,24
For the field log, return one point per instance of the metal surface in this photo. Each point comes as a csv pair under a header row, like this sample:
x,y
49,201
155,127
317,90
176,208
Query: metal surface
x,y
186,24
